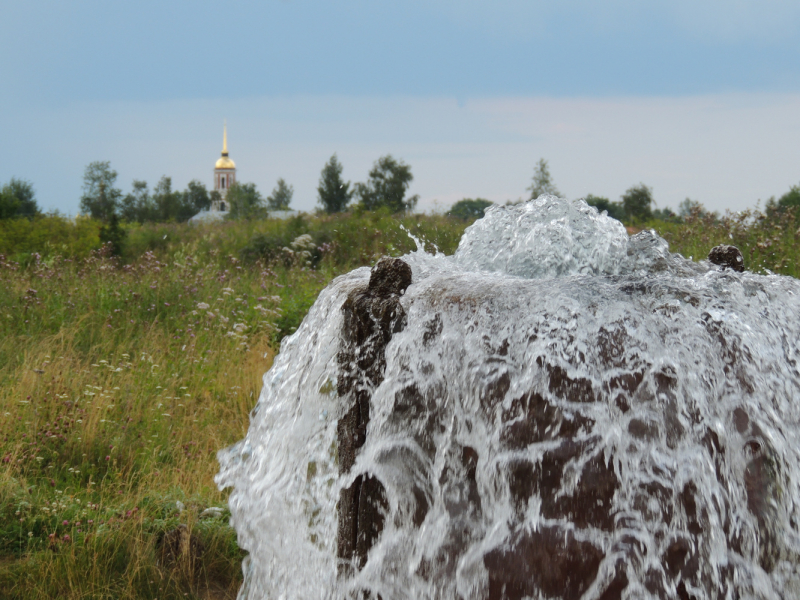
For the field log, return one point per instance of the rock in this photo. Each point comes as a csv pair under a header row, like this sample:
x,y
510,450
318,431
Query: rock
x,y
727,256
371,316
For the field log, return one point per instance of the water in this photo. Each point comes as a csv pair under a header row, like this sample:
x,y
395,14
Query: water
x,y
567,413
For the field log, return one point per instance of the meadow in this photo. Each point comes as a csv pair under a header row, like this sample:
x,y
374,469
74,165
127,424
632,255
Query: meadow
x,y
121,377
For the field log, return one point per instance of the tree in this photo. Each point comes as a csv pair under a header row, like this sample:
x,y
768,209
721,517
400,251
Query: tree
x,y
164,204
667,215
280,197
171,205
244,201
9,205
614,209
790,198
111,232
469,208
138,206
100,198
636,201
334,194
542,181
196,196
388,182
17,199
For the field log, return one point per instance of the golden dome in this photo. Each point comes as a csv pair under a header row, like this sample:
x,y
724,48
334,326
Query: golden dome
x,y
224,162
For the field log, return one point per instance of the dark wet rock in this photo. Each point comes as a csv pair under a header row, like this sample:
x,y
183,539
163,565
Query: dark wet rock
x,y
643,429
727,257
549,562
371,316
586,506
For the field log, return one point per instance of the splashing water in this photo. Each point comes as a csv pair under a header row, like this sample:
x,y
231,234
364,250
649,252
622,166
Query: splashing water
x,y
556,411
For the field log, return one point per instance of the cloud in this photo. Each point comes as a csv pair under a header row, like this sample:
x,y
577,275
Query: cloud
x,y
725,150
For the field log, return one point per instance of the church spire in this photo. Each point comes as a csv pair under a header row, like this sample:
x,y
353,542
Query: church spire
x,y
224,169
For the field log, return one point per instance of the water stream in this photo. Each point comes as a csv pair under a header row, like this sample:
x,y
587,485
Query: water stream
x,y
558,410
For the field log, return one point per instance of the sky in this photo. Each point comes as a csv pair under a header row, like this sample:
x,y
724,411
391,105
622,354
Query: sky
x,y
697,99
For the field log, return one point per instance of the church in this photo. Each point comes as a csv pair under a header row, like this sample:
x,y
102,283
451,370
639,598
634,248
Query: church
x,y
224,178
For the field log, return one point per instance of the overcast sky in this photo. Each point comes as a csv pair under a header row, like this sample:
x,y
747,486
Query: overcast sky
x,y
695,99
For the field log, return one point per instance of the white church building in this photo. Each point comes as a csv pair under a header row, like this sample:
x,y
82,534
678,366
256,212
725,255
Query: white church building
x,y
224,178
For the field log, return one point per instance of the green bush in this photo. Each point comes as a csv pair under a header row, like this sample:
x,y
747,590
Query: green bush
x,y
49,235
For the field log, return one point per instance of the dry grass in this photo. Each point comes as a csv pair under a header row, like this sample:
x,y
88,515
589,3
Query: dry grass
x,y
120,383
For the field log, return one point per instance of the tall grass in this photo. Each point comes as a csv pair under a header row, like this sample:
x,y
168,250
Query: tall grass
x,y
120,379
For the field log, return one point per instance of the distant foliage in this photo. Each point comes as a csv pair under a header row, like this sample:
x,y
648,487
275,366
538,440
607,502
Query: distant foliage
x,y
112,235
637,201
17,199
469,208
615,210
790,199
244,201
542,181
333,193
48,236
100,198
386,186
666,214
633,207
281,196
164,204
138,206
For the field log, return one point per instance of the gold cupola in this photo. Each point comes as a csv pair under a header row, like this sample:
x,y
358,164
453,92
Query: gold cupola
x,y
224,162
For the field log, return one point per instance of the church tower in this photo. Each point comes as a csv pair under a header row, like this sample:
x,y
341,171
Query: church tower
x,y
224,171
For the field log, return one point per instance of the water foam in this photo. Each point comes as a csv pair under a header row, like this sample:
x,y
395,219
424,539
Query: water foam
x,y
557,385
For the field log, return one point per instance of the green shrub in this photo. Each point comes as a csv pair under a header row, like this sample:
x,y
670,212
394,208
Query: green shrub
x,y
48,235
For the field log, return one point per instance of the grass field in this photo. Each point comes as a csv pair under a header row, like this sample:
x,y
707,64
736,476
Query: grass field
x,y
120,382
120,379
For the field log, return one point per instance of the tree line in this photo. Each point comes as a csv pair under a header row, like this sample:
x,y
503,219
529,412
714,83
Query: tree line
x,y
386,188
386,185
636,205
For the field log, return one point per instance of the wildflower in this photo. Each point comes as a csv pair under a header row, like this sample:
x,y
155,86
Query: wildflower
x,y
65,523
66,537
108,457
202,306
30,534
